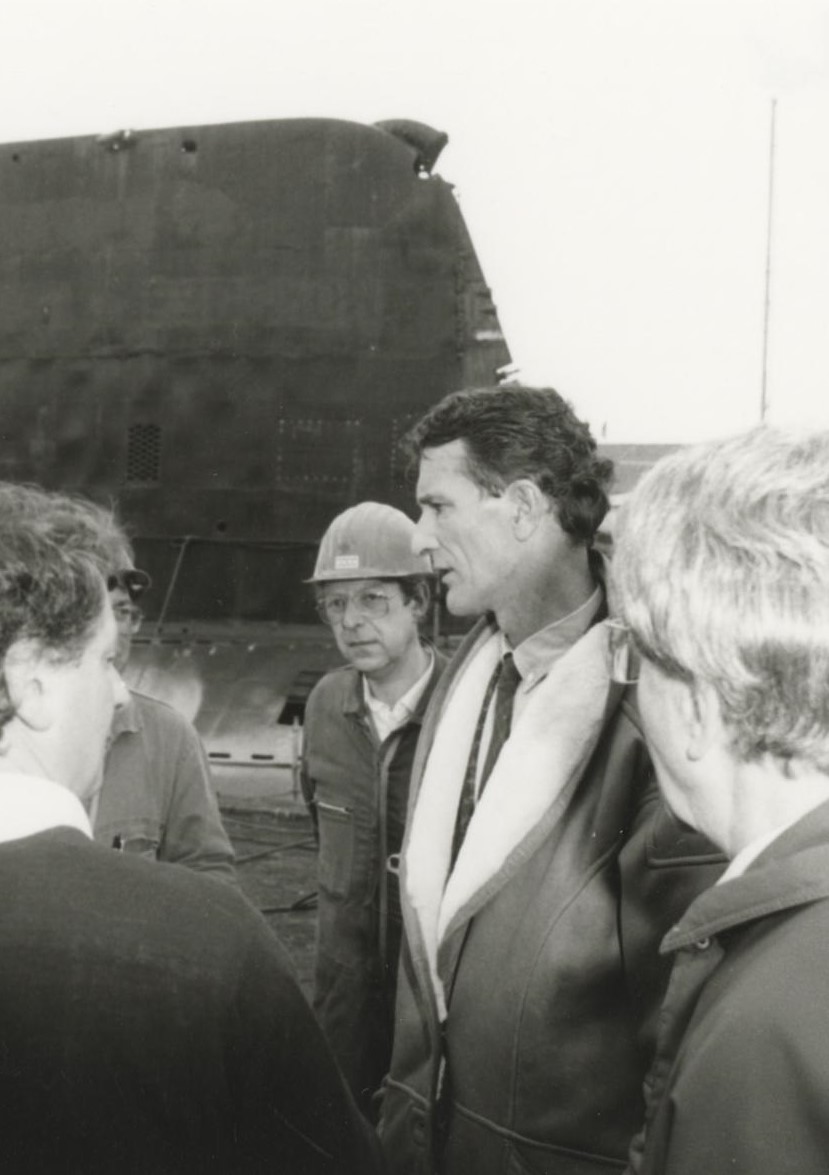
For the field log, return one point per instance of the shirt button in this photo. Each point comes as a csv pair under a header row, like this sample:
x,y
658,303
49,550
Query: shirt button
x,y
702,944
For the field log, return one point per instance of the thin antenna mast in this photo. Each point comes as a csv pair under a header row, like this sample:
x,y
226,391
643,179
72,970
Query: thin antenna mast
x,y
766,313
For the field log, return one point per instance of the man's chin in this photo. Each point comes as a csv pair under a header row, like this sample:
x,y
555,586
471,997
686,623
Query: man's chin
x,y
458,605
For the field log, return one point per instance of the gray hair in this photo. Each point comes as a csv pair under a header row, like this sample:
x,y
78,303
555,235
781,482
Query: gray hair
x,y
73,522
721,572
51,591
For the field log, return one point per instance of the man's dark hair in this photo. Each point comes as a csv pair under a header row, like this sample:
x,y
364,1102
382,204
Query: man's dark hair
x,y
516,431
50,594
412,586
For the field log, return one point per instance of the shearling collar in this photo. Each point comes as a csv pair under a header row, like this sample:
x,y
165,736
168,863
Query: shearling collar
x,y
530,787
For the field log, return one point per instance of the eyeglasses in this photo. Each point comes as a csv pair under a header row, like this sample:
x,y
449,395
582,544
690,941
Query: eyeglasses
x,y
127,616
368,604
622,656
131,580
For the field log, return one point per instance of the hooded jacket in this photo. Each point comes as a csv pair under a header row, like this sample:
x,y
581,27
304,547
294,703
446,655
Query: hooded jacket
x,y
741,1080
530,981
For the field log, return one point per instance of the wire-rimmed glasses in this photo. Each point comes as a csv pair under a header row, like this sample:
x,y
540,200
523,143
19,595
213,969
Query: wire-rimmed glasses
x,y
369,603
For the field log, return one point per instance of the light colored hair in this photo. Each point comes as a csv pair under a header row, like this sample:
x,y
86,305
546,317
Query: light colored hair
x,y
73,522
721,571
51,591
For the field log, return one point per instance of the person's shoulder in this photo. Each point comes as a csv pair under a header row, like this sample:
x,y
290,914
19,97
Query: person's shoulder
x,y
187,896
777,979
111,882
164,730
334,686
156,713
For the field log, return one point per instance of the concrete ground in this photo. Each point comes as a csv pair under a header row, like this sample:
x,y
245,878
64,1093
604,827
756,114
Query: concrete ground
x,y
276,862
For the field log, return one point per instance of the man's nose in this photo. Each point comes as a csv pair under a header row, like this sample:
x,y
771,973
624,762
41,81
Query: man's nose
x,y
423,540
120,693
352,614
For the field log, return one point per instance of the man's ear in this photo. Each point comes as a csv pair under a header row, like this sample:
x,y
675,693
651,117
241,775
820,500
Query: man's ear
x,y
528,505
27,677
702,719
421,598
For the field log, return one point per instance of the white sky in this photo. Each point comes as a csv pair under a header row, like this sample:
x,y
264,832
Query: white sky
x,y
611,158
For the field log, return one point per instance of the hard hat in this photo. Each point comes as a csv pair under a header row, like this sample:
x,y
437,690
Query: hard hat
x,y
368,541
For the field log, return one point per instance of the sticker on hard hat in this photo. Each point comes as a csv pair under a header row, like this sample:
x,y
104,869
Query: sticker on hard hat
x,y
346,562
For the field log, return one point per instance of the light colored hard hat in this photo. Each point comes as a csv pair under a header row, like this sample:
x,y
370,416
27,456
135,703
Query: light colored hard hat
x,y
368,541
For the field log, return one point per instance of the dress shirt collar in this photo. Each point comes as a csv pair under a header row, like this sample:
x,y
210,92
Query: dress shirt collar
x,y
29,805
751,852
535,656
388,718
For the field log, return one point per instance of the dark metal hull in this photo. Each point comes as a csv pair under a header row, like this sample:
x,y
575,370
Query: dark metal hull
x,y
227,329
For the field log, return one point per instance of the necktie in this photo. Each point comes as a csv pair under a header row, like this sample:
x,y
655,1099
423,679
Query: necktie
x,y
503,683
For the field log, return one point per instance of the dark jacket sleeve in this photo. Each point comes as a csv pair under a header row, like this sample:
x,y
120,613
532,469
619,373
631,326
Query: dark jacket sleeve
x,y
754,1102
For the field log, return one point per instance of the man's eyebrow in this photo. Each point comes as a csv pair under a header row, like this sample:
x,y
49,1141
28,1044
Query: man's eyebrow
x,y
430,498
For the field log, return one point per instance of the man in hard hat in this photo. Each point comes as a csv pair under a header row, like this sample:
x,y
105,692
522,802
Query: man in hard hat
x,y
540,871
361,726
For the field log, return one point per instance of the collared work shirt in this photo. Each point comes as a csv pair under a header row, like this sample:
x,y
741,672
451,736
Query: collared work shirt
x,y
535,657
156,798
387,718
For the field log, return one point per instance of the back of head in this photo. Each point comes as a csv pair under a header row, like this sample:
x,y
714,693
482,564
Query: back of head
x,y
721,570
51,594
74,523
87,527
368,541
516,432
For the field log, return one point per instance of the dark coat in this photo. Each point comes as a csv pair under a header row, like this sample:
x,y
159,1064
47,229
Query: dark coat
x,y
151,1022
549,963
741,1081
358,790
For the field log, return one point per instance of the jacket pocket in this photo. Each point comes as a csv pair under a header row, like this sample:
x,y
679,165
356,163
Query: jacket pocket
x,y
336,853
138,836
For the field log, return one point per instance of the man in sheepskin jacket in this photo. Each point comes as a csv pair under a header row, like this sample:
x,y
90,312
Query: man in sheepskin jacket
x,y
540,869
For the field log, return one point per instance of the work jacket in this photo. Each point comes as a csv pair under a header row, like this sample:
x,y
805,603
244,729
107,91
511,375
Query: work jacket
x,y
157,797
741,1080
527,1004
358,790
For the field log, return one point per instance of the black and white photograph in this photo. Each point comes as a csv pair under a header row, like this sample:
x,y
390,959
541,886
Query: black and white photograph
x,y
414,587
